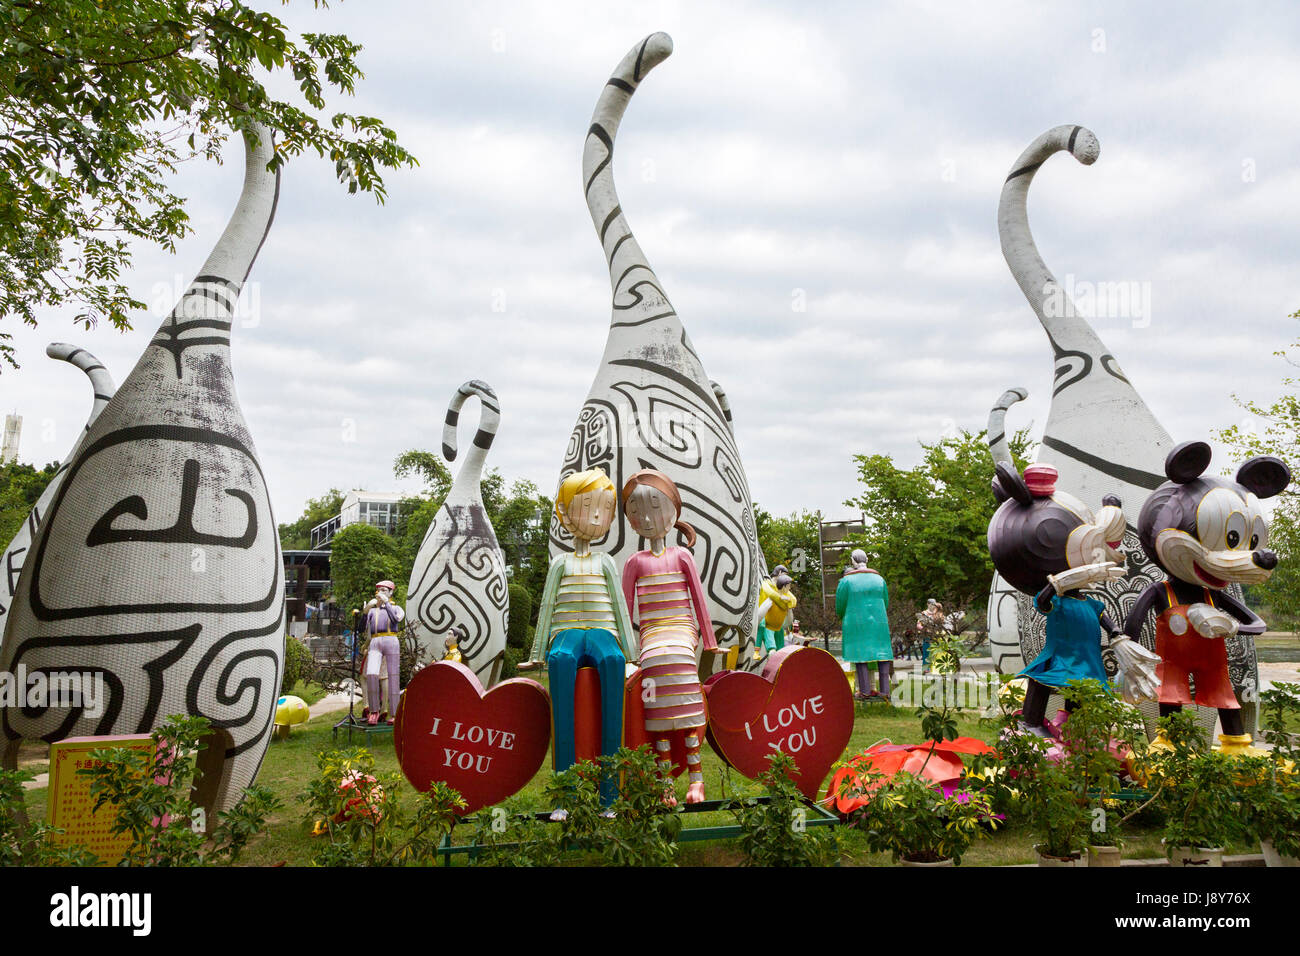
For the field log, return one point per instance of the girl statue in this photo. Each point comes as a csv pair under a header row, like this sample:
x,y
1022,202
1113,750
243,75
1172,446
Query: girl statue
x,y
674,623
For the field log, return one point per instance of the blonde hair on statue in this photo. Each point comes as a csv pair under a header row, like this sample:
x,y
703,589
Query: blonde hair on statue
x,y
579,483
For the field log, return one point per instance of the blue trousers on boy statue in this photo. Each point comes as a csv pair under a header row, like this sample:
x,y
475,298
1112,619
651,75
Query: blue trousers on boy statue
x,y
571,650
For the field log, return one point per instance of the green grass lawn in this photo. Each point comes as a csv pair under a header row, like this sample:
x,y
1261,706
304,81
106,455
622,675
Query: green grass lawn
x,y
291,763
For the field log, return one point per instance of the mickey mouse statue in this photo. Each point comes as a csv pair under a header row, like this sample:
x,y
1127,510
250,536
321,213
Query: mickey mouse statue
x,y
1205,533
1046,543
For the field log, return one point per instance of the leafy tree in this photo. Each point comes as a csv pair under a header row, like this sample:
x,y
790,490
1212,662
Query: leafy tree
x,y
297,535
20,486
521,520
360,555
793,541
426,465
101,103
1281,437
927,526
418,512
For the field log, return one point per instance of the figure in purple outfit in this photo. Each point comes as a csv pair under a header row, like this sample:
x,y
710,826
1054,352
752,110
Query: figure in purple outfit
x,y
382,620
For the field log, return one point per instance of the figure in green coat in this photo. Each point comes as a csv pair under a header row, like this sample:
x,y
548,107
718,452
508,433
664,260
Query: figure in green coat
x,y
861,600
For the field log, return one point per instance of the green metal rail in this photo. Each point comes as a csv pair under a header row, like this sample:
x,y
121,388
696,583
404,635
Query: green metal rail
x,y
818,816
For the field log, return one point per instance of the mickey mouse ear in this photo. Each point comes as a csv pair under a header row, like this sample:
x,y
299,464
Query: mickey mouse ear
x,y
998,493
1187,461
1011,484
1264,475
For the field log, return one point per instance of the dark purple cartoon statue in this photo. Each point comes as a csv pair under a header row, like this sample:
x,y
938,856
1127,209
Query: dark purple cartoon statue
x,y
1048,544
1205,533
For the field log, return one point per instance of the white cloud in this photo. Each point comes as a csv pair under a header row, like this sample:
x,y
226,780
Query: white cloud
x,y
855,154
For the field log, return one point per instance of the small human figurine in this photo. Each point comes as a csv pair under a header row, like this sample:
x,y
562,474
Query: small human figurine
x,y
451,645
1205,533
583,620
932,624
663,591
1047,543
797,636
775,610
861,603
380,621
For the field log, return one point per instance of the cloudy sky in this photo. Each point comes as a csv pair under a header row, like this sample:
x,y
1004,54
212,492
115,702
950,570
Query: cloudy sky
x,y
845,159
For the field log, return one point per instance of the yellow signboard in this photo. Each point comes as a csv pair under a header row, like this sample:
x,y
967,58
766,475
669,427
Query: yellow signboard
x,y
70,806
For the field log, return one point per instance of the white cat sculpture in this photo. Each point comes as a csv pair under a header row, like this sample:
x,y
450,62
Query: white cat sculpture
x,y
102,386
157,565
459,576
651,404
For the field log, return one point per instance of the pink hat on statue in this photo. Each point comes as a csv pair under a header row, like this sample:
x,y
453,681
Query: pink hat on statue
x,y
1041,480
387,584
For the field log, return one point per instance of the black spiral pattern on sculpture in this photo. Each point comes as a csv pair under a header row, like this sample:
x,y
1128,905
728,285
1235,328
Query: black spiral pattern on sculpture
x,y
465,550
652,405
166,477
724,528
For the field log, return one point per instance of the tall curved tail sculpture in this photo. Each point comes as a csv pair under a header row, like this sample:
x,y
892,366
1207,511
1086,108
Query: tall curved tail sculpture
x,y
652,405
459,576
102,388
1100,435
1004,633
157,567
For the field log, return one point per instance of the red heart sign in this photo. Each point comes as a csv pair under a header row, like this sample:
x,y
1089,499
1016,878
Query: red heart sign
x,y
487,746
801,705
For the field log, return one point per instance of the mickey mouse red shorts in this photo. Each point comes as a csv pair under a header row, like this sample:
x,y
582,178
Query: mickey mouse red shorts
x,y
1204,659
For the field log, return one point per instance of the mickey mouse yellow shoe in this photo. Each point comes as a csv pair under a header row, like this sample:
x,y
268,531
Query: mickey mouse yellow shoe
x,y
1239,745
1143,769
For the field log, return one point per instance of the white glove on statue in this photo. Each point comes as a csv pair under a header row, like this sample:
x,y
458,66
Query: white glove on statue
x,y
1210,622
1136,680
1086,575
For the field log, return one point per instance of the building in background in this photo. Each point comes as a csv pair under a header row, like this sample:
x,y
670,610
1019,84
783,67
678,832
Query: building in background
x,y
379,508
13,432
307,585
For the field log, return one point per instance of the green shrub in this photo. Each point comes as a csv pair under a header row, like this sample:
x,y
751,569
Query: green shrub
x,y
774,832
520,632
636,830
365,818
299,665
514,656
1199,788
909,818
148,786
1273,803
22,845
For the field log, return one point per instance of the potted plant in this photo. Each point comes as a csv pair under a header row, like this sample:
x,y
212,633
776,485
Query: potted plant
x,y
1104,843
1272,803
1200,790
1037,790
913,821
1101,735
